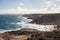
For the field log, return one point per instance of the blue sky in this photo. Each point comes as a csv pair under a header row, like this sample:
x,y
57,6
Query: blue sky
x,y
27,4
5,4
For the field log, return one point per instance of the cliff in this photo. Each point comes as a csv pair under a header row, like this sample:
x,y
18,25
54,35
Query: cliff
x,y
33,34
46,19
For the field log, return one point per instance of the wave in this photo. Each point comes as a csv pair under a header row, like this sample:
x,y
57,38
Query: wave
x,y
24,23
32,26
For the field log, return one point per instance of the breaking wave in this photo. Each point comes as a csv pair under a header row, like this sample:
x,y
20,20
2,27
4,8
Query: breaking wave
x,y
17,22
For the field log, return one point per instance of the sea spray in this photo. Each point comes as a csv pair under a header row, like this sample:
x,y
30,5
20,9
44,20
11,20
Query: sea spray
x,y
12,22
38,27
17,22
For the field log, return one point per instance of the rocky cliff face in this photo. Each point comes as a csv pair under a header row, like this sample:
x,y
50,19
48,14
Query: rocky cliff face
x,y
44,18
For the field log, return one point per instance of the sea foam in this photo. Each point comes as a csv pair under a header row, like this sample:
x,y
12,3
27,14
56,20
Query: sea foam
x,y
24,23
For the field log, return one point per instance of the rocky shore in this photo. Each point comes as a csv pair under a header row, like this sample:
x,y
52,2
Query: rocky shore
x,y
44,19
33,34
23,34
30,34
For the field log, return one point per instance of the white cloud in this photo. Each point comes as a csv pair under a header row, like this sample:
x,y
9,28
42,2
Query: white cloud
x,y
51,8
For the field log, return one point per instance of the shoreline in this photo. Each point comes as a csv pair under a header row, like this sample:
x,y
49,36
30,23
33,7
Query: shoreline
x,y
44,19
27,34
32,34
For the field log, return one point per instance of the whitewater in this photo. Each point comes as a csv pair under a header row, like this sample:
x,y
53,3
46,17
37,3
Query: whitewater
x,y
24,23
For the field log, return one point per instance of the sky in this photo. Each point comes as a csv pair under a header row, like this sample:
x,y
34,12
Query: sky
x,y
29,6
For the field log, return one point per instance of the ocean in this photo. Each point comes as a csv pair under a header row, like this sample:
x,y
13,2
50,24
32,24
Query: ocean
x,y
17,22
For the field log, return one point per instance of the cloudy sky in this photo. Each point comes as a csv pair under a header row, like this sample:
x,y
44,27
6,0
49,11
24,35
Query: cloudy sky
x,y
29,6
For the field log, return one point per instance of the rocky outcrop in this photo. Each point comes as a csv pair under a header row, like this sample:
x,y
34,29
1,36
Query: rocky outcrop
x,y
33,34
22,34
30,34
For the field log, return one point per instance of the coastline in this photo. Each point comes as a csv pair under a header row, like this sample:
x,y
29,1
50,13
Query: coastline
x,y
32,34
44,19
15,35
29,34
